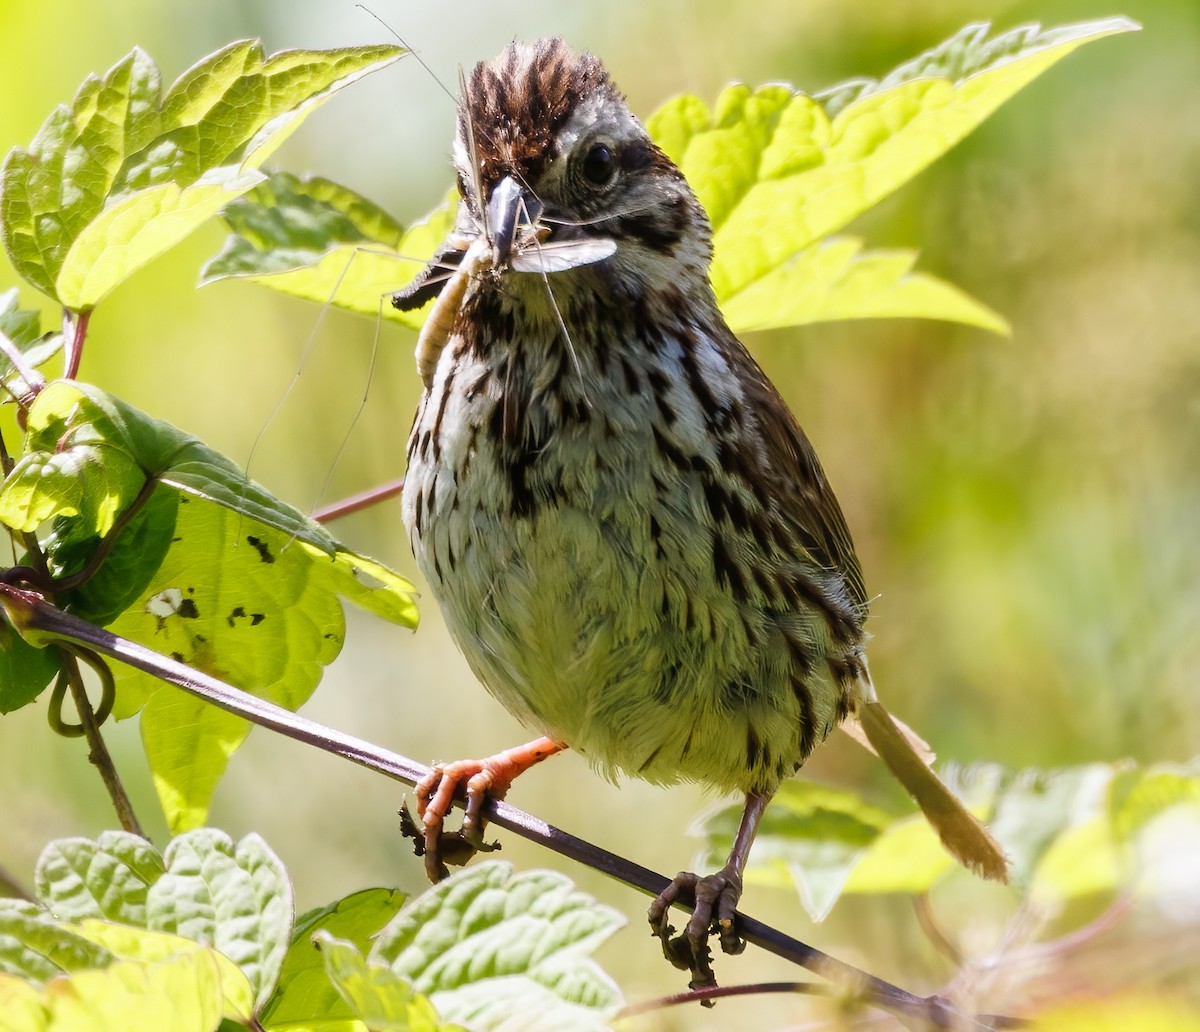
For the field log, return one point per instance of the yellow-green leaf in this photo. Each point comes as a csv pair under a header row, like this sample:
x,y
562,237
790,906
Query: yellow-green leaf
x,y
125,173
778,171
322,242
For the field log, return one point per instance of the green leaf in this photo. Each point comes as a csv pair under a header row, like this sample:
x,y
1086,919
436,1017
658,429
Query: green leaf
x,y
235,898
489,947
316,240
810,836
380,998
306,994
125,173
134,230
134,558
779,171
249,605
836,279
25,670
89,454
35,947
212,570
149,947
77,878
23,347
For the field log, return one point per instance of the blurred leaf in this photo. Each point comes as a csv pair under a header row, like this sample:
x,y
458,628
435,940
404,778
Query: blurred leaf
x,y
836,279
906,857
1082,861
1032,808
810,836
496,950
779,171
35,947
21,1007
382,999
1139,796
1143,1013
77,878
235,898
125,173
305,994
147,947
21,338
181,993
970,51
316,240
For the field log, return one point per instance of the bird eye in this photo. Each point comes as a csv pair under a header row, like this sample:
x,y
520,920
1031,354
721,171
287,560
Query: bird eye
x,y
599,164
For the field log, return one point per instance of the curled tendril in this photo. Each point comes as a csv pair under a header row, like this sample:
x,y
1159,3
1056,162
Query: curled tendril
x,y
69,674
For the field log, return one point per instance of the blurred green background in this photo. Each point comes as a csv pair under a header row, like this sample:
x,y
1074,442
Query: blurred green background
x,y
1027,510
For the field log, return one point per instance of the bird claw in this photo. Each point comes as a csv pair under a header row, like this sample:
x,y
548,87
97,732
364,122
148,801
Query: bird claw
x,y
716,897
455,848
435,794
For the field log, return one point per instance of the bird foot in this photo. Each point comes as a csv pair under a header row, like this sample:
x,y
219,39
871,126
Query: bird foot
x,y
716,898
435,794
477,781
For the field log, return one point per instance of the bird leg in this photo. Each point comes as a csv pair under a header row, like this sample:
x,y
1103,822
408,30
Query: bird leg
x,y
715,901
484,779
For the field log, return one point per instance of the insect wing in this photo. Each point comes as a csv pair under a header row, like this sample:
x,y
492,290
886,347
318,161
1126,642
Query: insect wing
x,y
567,254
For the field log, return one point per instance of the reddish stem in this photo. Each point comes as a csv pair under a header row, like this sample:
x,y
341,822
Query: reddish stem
x,y
355,503
74,334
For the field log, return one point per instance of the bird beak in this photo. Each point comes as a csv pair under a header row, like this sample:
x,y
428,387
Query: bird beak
x,y
510,209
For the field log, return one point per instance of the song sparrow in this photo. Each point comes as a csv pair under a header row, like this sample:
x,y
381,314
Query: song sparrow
x,y
631,539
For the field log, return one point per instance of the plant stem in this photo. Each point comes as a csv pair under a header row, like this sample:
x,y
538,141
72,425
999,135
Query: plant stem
x,y
74,334
98,753
717,992
355,503
933,930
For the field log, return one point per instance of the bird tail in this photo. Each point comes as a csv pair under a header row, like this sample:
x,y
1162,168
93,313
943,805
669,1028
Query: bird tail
x,y
907,757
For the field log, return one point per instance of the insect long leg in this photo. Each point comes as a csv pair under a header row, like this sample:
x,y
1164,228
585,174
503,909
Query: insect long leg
x,y
536,244
362,404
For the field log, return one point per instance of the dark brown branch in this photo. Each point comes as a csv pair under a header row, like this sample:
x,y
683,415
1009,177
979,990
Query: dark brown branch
x,y
30,613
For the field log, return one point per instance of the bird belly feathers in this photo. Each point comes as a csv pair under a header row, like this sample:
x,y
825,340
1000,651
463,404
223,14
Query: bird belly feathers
x,y
591,615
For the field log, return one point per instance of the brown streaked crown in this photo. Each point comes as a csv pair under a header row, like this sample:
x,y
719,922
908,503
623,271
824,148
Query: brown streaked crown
x,y
519,101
